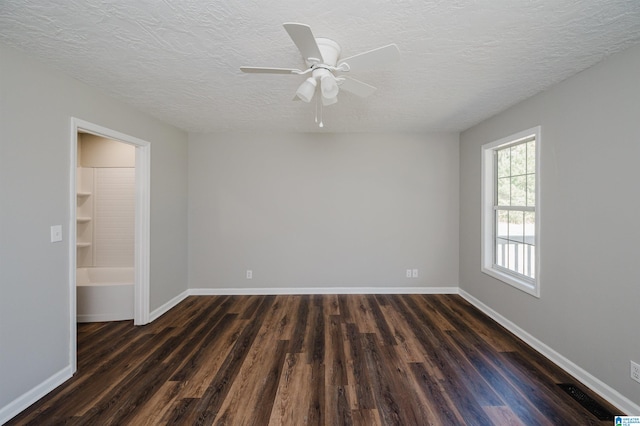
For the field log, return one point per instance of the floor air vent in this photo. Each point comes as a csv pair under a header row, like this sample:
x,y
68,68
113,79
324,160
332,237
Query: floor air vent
x,y
586,401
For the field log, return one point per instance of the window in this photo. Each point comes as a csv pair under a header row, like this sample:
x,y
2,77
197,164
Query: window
x,y
510,210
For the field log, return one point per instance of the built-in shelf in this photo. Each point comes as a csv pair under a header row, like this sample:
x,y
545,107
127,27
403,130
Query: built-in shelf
x,y
83,194
79,245
83,219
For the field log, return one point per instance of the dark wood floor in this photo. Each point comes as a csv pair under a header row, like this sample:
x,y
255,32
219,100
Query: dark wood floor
x,y
294,360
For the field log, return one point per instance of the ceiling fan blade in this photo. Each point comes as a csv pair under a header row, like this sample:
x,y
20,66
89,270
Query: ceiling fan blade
x,y
303,38
357,87
263,70
373,58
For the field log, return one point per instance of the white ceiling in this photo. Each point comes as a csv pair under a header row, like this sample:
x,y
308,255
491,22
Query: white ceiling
x,y
462,60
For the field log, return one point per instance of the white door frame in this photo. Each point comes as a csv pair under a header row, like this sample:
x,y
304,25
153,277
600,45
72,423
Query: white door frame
x,y
142,224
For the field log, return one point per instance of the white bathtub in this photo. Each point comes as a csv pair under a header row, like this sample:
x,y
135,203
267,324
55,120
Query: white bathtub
x,y
104,294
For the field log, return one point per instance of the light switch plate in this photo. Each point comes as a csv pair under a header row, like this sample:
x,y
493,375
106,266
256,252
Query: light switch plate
x,y
56,233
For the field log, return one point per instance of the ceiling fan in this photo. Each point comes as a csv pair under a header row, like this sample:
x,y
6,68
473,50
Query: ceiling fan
x,y
324,67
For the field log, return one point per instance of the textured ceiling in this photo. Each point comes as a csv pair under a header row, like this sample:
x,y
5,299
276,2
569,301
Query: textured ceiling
x,y
462,60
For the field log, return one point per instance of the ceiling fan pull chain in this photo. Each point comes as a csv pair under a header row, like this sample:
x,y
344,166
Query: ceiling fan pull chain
x,y
321,124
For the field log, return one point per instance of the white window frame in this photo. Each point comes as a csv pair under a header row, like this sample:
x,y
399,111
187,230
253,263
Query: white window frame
x,y
521,282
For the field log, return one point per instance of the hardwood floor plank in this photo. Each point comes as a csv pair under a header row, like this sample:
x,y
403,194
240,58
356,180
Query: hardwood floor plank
x,y
287,320
366,418
361,315
503,416
382,327
467,394
321,359
408,346
207,407
292,401
343,308
489,330
335,357
251,399
444,411
357,374
136,389
254,303
393,395
201,343
252,394
315,350
158,405
199,370
464,368
338,408
316,388
301,318
521,405
331,305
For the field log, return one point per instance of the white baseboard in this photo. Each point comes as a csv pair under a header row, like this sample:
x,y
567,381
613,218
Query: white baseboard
x,y
592,382
157,313
320,290
112,316
19,404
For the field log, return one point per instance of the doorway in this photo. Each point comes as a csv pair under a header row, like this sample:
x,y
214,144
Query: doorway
x,y
141,224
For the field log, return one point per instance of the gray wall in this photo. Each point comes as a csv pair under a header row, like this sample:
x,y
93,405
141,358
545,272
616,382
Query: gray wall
x,y
323,210
35,109
590,280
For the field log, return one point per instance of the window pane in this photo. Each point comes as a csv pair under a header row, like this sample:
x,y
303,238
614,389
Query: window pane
x,y
504,167
531,157
502,253
519,159
502,224
531,190
504,191
530,269
516,226
530,228
518,191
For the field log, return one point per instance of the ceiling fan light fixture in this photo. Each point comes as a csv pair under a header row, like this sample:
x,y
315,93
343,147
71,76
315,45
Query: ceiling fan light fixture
x,y
307,89
329,86
329,101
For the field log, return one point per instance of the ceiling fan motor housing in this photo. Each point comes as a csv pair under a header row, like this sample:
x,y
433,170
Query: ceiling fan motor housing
x,y
330,52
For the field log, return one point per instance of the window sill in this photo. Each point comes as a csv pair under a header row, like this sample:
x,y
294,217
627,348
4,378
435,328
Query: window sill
x,y
523,285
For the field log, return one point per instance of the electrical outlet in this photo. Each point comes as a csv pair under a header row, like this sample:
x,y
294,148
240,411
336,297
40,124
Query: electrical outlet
x,y
249,274
635,371
408,273
414,273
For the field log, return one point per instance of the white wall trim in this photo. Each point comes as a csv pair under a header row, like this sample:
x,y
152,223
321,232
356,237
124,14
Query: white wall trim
x,y
319,290
111,316
593,383
19,404
142,221
158,312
